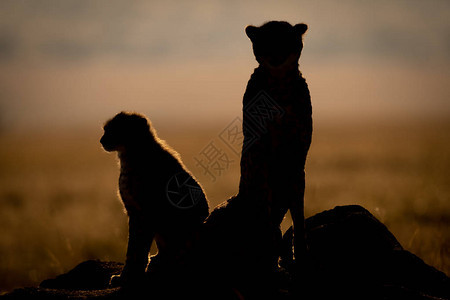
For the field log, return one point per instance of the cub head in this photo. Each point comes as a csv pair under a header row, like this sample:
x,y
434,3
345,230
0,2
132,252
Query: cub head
x,y
125,130
277,44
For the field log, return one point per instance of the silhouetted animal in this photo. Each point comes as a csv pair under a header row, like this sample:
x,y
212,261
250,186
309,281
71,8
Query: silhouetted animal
x,y
242,236
277,127
163,200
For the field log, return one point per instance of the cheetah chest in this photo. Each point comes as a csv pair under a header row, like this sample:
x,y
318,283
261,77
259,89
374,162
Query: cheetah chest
x,y
128,188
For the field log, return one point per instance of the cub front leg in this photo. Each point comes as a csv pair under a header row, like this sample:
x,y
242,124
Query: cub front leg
x,y
140,238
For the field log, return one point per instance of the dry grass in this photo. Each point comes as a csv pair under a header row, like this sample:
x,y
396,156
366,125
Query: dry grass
x,y
58,203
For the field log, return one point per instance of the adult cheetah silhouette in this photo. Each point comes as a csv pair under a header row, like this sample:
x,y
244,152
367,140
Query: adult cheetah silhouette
x,y
163,200
277,127
242,236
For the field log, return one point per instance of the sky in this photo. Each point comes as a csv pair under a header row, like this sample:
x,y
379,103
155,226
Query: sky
x,y
78,62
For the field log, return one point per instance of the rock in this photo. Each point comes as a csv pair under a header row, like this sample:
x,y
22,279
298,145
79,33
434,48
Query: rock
x,y
352,256
88,275
88,280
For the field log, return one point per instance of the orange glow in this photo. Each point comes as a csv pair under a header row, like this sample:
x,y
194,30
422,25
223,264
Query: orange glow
x,y
378,73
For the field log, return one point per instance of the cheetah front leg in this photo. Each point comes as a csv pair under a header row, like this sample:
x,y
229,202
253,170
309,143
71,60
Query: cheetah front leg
x,y
140,238
298,219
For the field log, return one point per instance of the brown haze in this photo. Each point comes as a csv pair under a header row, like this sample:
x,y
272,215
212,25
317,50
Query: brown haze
x,y
379,79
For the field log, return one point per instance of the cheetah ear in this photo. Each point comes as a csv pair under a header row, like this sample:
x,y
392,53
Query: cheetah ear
x,y
300,29
252,32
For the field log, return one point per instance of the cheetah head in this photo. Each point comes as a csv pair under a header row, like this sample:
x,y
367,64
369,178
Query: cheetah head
x,y
277,44
124,130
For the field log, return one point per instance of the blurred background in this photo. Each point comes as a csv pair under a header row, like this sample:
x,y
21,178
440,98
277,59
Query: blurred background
x,y
378,72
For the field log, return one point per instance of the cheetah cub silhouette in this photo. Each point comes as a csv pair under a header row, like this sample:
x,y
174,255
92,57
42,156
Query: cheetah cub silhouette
x,y
277,127
162,199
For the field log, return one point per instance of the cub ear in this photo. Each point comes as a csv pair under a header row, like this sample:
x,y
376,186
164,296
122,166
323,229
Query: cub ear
x,y
300,29
142,122
251,32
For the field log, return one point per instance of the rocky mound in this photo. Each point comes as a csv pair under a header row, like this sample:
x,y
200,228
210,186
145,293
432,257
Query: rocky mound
x,y
352,256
